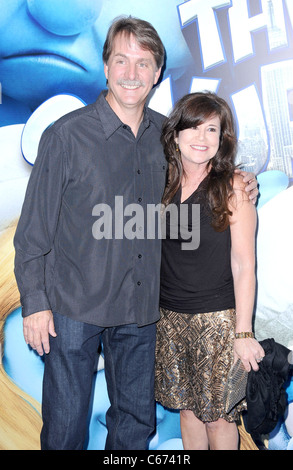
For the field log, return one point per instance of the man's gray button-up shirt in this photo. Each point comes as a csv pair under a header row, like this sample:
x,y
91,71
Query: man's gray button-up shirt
x,y
83,247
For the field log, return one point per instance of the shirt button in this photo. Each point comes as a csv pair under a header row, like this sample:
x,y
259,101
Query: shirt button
x,y
139,172
138,283
139,199
139,256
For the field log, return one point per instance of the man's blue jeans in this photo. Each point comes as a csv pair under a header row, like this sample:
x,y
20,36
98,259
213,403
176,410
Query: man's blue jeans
x,y
129,354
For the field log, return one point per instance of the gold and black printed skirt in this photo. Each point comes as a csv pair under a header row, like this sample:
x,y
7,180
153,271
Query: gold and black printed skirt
x,y
194,354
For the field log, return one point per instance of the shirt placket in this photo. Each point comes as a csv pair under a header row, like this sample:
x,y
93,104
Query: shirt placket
x,y
139,252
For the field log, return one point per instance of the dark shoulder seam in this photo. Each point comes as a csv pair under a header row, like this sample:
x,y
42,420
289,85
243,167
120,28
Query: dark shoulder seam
x,y
71,116
157,118
52,130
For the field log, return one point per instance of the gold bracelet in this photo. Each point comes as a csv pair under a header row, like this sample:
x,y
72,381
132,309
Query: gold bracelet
x,y
246,334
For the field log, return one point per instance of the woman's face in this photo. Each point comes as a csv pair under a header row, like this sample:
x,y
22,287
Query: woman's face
x,y
198,145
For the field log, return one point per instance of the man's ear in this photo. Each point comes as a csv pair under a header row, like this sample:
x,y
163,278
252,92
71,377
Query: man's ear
x,y
106,70
157,75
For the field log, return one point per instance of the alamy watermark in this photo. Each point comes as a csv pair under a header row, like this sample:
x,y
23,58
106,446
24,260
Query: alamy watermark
x,y
134,221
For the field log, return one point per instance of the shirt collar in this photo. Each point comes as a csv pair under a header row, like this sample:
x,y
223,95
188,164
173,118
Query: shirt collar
x,y
109,119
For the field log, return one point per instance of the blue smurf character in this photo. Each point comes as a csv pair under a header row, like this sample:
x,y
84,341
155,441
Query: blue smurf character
x,y
53,47
47,47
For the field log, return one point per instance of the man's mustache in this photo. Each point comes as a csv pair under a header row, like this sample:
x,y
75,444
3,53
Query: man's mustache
x,y
135,83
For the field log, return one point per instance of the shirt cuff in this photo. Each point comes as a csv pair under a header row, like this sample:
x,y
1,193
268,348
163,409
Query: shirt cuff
x,y
33,303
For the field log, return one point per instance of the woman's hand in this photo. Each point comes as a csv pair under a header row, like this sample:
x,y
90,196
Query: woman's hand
x,y
249,351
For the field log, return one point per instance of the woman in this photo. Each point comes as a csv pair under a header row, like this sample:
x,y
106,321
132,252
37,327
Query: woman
x,y
207,294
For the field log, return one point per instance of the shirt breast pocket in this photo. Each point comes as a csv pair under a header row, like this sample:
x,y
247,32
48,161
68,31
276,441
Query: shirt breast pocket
x,y
155,181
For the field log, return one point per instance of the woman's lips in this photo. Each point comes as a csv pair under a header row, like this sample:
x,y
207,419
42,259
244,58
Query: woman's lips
x,y
199,147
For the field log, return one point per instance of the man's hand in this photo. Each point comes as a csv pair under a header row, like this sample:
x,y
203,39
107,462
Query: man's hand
x,y
37,328
251,186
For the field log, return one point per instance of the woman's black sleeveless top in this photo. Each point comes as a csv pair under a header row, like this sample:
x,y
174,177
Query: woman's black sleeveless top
x,y
196,280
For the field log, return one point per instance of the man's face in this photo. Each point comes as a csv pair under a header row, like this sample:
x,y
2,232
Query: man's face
x,y
131,72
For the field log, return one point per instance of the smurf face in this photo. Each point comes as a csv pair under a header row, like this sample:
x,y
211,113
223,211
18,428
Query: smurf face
x,y
50,47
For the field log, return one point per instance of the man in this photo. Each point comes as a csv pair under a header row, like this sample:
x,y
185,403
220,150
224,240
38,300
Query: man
x,y
98,286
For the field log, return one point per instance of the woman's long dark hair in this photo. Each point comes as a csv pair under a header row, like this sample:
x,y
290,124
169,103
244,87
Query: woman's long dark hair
x,y
191,111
